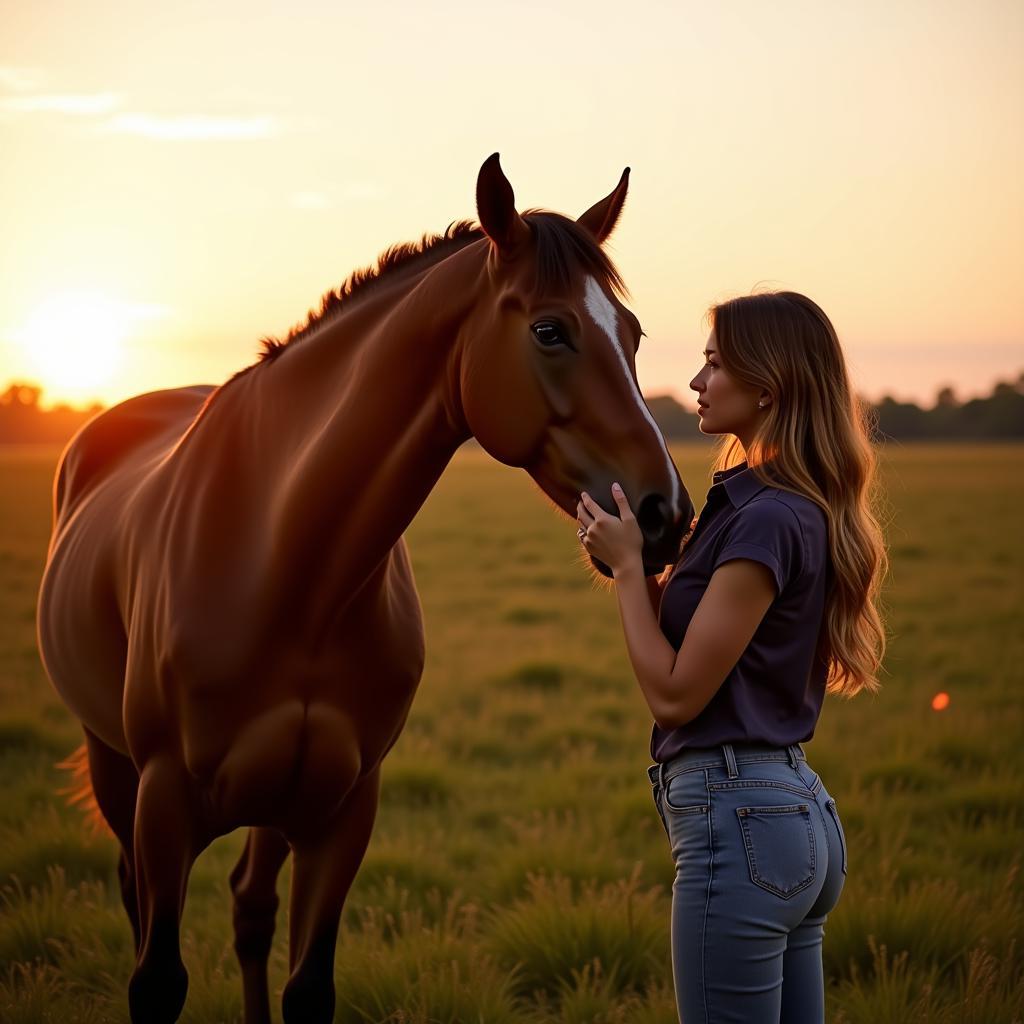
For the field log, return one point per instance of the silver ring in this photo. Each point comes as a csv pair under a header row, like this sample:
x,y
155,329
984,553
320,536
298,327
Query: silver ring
x,y
581,533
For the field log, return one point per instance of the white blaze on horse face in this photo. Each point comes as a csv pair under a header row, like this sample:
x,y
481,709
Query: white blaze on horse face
x,y
599,306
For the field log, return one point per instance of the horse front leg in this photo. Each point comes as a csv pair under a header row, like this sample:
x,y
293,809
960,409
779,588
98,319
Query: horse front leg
x,y
168,838
254,885
323,870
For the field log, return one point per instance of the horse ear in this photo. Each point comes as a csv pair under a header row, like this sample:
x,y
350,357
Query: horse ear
x,y
496,208
601,218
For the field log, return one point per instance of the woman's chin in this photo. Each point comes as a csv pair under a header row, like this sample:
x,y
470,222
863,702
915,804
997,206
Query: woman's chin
x,y
707,426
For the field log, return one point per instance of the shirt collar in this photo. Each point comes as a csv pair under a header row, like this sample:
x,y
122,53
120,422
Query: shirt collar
x,y
739,483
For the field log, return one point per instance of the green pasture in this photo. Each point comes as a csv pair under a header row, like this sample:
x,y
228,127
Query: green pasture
x,y
519,873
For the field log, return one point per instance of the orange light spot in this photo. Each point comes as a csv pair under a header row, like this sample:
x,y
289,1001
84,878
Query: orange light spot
x,y
940,702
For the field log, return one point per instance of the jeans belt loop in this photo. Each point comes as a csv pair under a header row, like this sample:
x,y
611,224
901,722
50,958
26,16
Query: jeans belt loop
x,y
730,760
792,751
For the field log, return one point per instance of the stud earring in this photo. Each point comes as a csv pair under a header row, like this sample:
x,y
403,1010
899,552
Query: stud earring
x,y
760,404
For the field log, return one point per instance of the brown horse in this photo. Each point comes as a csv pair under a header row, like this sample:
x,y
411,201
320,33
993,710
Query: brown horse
x,y
228,604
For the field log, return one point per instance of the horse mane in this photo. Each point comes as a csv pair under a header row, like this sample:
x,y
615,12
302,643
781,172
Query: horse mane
x,y
396,257
562,246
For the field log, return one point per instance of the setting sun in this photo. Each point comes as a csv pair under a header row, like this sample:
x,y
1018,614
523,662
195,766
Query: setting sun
x,y
75,340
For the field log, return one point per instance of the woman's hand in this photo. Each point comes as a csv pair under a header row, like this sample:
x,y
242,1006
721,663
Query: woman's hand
x,y
618,542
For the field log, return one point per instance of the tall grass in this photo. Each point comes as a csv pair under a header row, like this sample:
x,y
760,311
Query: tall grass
x,y
518,872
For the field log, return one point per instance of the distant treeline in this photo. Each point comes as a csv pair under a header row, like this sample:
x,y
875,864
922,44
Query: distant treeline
x,y
998,416
22,421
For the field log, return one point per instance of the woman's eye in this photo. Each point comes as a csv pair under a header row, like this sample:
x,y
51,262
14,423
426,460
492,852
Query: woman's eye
x,y
549,334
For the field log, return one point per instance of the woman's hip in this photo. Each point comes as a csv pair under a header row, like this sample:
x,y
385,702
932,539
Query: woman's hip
x,y
752,824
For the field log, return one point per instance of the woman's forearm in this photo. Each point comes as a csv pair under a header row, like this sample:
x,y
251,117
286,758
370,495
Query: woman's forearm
x,y
651,655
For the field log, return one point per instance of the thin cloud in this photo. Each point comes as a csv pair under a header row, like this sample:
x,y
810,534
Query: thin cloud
x,y
104,107
352,191
20,79
186,127
75,104
309,201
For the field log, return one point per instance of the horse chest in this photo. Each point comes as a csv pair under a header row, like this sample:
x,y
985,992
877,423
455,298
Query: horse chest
x,y
294,725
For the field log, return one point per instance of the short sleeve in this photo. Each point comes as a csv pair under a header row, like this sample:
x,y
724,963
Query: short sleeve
x,y
768,532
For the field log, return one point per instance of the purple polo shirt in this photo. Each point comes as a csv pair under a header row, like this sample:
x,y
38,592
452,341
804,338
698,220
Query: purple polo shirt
x,y
774,692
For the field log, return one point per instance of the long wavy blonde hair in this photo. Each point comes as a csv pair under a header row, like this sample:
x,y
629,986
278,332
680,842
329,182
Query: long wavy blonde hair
x,y
814,436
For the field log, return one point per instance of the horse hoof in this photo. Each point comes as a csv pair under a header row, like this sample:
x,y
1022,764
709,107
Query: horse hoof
x,y
306,1001
156,994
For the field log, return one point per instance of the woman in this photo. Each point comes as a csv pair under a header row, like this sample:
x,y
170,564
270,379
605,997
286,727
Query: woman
x,y
773,601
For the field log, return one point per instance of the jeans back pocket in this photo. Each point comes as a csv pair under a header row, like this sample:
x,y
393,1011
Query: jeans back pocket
x,y
831,804
779,841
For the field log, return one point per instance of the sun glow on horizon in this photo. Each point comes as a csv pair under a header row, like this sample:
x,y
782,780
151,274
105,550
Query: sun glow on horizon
x,y
238,201
75,340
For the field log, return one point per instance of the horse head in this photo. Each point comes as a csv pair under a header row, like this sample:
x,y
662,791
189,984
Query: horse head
x,y
547,373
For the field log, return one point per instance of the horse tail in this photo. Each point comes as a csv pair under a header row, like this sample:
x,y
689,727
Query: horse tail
x,y
79,792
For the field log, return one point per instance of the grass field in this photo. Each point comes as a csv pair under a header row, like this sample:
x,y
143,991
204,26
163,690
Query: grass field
x,y
519,872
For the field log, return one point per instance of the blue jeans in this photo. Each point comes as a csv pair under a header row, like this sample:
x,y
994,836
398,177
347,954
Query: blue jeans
x,y
760,860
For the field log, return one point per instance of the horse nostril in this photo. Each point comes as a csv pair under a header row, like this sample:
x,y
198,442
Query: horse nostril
x,y
655,518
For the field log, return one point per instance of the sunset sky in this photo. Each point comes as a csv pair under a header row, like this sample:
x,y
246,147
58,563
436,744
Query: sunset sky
x,y
177,180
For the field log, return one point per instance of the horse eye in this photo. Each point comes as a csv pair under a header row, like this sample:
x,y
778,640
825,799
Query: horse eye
x,y
549,334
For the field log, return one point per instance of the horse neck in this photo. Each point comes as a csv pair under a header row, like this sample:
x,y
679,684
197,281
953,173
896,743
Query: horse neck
x,y
362,417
